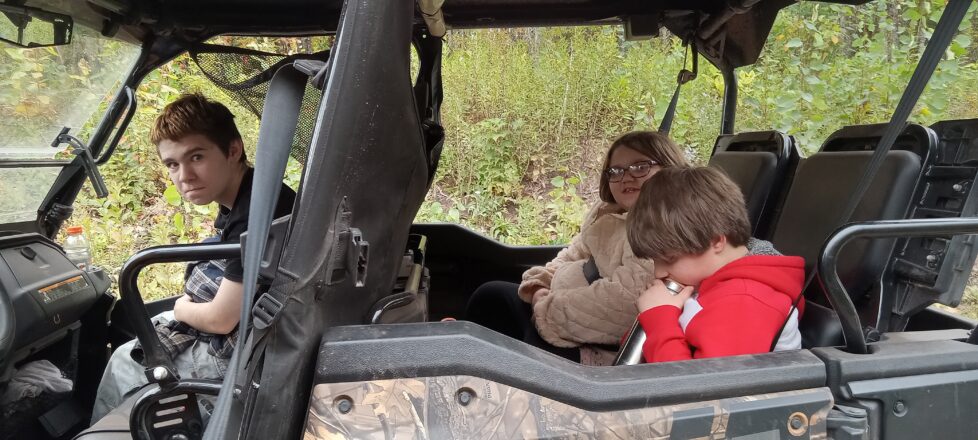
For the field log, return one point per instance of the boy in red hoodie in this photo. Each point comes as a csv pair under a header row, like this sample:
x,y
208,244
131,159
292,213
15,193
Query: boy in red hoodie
x,y
710,296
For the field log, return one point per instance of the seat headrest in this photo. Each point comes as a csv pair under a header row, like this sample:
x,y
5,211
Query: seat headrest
x,y
754,172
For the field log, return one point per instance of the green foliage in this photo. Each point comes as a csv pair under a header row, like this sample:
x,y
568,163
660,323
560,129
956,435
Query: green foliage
x,y
44,89
41,91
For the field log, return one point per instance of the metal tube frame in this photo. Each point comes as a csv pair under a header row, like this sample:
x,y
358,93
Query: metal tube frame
x,y
135,308
729,116
41,163
829,279
130,97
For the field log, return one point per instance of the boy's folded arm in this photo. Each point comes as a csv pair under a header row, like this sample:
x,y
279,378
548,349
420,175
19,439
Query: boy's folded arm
x,y
219,316
735,325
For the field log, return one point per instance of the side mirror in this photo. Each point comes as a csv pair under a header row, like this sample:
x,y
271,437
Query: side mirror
x,y
32,27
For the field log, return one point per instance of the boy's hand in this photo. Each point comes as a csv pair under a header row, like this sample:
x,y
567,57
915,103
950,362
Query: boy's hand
x,y
179,307
657,295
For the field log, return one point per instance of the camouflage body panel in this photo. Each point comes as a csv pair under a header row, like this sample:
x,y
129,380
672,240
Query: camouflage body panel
x,y
465,407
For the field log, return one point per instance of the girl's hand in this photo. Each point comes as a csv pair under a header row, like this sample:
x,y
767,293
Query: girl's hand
x,y
540,293
657,295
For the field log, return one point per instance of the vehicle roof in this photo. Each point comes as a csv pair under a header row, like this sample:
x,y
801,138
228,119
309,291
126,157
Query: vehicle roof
x,y
738,42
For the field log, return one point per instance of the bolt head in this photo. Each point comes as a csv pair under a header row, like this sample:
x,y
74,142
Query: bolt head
x,y
465,396
160,373
797,424
344,405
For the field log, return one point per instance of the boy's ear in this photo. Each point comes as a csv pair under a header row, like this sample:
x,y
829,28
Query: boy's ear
x,y
234,150
719,244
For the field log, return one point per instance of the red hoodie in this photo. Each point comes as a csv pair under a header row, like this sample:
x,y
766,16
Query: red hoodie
x,y
739,310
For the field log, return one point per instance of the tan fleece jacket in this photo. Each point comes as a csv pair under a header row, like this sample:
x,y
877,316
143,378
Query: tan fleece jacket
x,y
571,312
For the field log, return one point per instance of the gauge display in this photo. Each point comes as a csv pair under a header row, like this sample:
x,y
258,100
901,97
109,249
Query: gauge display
x,y
62,289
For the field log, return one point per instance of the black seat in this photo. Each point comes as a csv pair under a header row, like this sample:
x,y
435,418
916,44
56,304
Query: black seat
x,y
819,195
761,163
812,210
820,327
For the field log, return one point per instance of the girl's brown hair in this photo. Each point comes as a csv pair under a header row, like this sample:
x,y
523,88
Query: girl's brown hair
x,y
654,145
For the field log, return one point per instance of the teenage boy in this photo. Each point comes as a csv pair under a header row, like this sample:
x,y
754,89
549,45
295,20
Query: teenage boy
x,y
710,297
203,153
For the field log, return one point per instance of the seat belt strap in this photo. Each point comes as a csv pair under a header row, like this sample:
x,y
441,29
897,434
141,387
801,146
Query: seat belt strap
x,y
684,77
280,116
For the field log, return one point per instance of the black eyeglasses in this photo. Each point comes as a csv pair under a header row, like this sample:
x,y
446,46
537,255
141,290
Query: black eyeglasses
x,y
637,170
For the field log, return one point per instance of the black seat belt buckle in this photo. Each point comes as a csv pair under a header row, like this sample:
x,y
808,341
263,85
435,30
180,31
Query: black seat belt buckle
x,y
266,309
591,273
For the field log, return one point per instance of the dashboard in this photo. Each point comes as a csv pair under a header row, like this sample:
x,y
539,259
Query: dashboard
x,y
43,294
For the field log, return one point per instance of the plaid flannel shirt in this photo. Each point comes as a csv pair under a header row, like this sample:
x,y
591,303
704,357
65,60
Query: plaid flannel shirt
x,y
203,280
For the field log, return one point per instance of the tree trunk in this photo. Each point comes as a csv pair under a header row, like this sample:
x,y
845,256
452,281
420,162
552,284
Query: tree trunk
x,y
892,15
973,49
847,28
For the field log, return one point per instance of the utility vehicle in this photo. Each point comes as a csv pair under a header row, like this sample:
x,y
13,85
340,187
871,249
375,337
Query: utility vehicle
x,y
343,332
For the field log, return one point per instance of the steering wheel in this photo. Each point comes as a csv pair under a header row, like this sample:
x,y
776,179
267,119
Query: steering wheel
x,y
8,326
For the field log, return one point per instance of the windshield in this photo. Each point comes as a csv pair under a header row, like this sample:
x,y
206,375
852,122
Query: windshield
x,y
43,90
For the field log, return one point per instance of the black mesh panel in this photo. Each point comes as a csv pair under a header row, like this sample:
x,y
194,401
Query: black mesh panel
x,y
244,74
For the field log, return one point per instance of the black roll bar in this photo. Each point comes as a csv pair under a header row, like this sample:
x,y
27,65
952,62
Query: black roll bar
x,y
135,308
729,117
130,101
828,259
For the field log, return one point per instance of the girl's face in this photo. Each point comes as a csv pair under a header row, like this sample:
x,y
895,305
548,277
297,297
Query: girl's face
x,y
627,171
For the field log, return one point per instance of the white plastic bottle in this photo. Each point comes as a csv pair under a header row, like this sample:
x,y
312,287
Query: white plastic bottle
x,y
77,248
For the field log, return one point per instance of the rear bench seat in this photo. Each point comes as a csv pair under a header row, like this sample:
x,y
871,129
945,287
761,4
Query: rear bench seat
x,y
797,204
813,207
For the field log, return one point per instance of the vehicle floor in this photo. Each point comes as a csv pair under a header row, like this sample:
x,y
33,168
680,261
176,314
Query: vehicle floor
x,y
20,419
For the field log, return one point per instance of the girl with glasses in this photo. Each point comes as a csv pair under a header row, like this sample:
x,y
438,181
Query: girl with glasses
x,y
580,304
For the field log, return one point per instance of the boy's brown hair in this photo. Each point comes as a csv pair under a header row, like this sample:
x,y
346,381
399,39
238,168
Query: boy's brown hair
x,y
193,113
655,145
681,211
